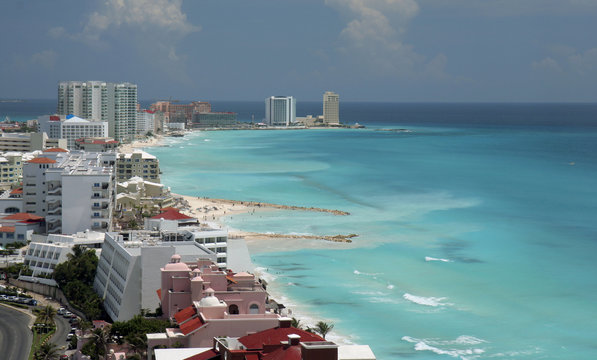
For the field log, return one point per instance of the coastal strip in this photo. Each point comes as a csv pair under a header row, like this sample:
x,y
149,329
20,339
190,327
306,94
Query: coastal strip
x,y
275,206
333,238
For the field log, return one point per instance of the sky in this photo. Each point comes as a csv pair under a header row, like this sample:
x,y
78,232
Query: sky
x,y
365,50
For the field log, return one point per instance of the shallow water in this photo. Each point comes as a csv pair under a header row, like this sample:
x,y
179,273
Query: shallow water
x,y
474,241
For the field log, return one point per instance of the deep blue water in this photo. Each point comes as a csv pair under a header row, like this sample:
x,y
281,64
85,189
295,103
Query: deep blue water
x,y
477,229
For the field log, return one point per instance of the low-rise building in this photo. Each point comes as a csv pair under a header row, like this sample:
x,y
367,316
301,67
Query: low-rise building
x,y
214,120
27,142
96,144
19,227
45,252
11,167
71,128
128,272
138,163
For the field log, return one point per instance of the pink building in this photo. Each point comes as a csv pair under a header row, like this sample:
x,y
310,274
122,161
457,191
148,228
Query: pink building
x,y
182,285
207,302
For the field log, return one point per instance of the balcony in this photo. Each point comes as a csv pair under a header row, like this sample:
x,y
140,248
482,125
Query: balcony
x,y
102,226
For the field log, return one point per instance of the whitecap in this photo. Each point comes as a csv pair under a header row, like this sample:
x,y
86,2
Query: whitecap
x,y
390,286
356,272
206,140
433,345
427,301
429,258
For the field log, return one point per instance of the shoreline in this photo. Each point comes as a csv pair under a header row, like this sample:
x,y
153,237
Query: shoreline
x,y
212,211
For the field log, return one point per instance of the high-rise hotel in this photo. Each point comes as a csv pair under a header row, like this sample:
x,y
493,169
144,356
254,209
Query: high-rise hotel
x,y
331,108
280,110
115,103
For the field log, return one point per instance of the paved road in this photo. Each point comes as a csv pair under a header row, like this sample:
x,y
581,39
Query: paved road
x,y
15,335
62,329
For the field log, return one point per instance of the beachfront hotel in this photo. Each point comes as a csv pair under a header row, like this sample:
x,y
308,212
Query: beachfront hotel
x,y
115,103
280,110
74,191
331,108
71,128
128,272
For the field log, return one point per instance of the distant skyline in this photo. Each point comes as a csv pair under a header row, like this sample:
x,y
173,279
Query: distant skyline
x,y
364,50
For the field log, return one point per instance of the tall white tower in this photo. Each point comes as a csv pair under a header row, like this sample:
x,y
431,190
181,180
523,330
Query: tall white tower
x,y
331,108
115,103
280,110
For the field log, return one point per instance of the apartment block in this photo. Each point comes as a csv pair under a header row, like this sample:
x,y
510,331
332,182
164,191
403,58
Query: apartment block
x,y
138,163
71,128
280,110
27,142
128,272
115,103
89,200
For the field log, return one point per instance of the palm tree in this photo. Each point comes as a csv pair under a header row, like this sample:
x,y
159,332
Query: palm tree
x,y
101,337
47,314
137,344
296,323
323,328
47,351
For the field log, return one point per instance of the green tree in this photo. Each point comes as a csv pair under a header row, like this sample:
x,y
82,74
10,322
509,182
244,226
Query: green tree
x,y
46,314
296,323
323,328
47,351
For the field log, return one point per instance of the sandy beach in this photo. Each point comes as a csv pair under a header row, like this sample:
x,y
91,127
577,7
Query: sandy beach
x,y
155,140
212,211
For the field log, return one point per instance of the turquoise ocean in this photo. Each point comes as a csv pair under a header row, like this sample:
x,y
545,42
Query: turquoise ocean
x,y
477,225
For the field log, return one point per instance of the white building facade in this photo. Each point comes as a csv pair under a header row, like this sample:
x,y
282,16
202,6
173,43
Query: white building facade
x,y
71,128
128,272
73,191
280,110
115,103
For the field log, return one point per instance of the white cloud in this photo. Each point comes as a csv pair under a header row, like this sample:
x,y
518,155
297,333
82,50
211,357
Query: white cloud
x,y
143,14
547,64
373,35
45,59
569,61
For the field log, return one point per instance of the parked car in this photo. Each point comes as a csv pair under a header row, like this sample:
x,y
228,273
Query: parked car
x,y
69,336
61,311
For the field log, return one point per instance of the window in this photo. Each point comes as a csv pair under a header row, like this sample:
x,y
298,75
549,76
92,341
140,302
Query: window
x,y
254,309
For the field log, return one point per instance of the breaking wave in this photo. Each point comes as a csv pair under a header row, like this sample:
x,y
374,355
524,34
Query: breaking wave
x,y
457,348
427,301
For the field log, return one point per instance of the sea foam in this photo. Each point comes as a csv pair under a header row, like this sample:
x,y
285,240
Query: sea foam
x,y
454,348
427,301
429,258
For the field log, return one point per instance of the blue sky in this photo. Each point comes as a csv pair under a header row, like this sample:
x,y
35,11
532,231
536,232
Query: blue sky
x,y
366,50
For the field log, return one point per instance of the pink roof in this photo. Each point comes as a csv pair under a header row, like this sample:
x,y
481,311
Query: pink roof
x,y
171,215
274,336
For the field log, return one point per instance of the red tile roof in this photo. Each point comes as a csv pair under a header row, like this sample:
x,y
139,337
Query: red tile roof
x,y
42,160
54,118
159,291
284,353
171,215
274,336
7,229
191,325
55,150
206,355
168,208
17,191
251,356
185,314
23,217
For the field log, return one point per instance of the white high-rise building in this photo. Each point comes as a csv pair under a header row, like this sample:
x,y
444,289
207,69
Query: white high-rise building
x,y
280,110
331,108
115,103
74,191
